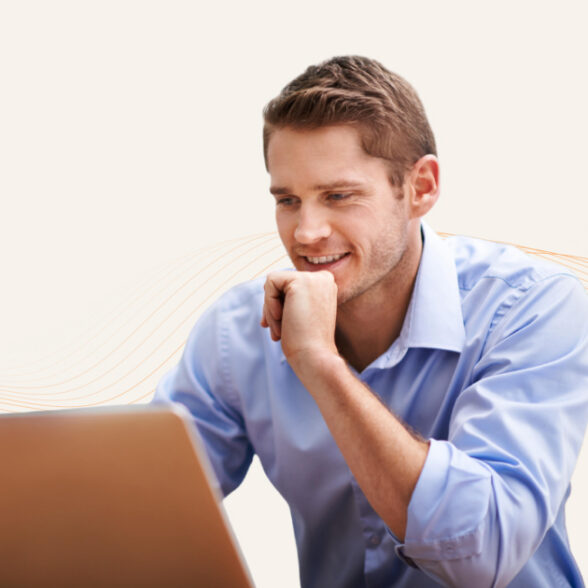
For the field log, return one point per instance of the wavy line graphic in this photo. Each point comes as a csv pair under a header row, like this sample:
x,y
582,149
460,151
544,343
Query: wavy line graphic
x,y
121,359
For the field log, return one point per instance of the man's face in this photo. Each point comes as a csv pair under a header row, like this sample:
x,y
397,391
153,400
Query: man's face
x,y
336,209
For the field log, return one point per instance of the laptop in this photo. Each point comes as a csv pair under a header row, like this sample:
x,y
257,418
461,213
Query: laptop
x,y
113,496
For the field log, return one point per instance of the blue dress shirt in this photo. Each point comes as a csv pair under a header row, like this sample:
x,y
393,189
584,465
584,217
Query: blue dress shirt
x,y
491,366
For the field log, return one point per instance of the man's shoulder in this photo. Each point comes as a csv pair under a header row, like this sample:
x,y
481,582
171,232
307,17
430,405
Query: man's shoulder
x,y
479,262
246,295
237,310
232,321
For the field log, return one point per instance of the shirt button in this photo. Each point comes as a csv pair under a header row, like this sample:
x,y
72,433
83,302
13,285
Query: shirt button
x,y
374,540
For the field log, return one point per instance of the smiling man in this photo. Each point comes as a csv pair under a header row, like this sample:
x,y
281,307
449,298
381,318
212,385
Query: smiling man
x,y
419,403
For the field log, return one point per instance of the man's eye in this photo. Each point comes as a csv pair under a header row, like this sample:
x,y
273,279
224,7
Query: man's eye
x,y
285,201
338,196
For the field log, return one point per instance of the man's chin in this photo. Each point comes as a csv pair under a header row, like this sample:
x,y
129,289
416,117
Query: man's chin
x,y
344,294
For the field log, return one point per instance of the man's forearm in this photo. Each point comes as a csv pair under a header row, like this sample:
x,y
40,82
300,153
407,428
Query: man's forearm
x,y
385,458
300,309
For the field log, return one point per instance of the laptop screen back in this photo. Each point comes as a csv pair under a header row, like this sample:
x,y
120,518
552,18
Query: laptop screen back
x,y
119,496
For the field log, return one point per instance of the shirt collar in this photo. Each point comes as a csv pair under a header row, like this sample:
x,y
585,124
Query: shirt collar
x,y
434,318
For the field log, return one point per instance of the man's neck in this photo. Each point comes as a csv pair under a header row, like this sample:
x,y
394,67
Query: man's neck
x,y
370,323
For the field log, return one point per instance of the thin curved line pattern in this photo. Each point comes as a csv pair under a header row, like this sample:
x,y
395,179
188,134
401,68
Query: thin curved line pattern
x,y
121,360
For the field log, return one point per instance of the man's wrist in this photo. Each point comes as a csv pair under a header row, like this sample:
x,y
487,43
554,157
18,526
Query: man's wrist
x,y
314,365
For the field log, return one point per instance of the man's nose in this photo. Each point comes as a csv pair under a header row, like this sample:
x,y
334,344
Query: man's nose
x,y
313,225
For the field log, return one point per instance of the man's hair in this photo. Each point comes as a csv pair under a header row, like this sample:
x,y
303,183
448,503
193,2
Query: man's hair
x,y
358,91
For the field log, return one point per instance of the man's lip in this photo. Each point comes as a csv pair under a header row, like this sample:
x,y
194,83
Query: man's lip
x,y
326,264
326,257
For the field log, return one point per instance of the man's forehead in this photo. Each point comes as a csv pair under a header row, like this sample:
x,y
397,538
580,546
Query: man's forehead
x,y
319,159
324,136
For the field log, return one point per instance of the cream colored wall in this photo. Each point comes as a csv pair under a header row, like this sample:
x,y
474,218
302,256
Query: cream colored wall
x,y
130,136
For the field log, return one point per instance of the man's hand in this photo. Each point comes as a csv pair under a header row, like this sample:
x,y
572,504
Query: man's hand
x,y
300,308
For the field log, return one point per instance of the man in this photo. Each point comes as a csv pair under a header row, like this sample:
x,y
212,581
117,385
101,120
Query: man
x,y
420,404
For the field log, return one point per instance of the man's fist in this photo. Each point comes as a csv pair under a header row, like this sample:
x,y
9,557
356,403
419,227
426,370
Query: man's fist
x,y
300,308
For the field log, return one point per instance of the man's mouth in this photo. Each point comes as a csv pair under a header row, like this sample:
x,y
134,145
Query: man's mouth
x,y
323,259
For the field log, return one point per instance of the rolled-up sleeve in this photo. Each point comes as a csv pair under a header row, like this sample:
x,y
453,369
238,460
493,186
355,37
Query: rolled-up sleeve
x,y
488,494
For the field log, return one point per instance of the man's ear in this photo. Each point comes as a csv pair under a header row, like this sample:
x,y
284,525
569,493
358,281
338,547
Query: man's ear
x,y
422,182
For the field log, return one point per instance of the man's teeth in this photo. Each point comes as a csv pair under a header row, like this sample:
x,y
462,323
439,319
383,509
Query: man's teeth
x,y
325,258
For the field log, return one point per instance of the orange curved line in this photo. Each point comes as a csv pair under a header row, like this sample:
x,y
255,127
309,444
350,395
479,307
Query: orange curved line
x,y
154,283
566,261
176,350
128,337
11,393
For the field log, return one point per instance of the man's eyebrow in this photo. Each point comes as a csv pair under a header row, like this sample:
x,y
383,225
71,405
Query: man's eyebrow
x,y
337,185
279,190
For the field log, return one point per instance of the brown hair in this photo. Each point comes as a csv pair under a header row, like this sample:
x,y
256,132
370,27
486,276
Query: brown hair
x,y
356,90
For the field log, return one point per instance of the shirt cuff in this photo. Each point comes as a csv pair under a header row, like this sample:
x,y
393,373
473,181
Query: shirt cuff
x,y
447,511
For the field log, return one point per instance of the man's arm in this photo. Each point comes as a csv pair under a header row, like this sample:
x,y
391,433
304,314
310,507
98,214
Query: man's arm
x,y
481,502
386,460
199,383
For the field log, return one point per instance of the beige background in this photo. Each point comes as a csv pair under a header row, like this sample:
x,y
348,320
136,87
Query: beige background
x,y
130,136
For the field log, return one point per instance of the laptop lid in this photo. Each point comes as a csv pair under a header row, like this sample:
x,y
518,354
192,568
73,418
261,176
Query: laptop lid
x,y
113,496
